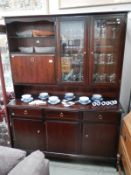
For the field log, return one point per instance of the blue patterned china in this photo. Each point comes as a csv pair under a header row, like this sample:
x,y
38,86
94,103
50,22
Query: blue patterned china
x,y
53,100
27,100
84,100
97,97
43,95
69,96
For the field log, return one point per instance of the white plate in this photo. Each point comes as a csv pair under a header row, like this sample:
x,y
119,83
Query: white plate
x,y
54,103
27,100
84,103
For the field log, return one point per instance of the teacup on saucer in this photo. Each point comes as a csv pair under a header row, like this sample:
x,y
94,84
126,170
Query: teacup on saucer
x,y
43,95
69,95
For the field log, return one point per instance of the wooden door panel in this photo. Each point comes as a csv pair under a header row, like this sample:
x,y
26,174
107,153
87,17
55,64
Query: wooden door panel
x,y
63,137
33,69
99,139
28,134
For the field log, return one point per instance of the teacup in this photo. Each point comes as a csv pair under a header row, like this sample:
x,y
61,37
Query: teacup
x,y
96,96
69,95
83,99
53,99
26,96
43,94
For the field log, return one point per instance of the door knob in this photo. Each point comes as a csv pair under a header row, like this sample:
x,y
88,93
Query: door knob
x,y
38,131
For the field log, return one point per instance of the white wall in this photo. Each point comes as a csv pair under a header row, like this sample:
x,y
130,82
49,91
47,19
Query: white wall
x,y
54,7
126,74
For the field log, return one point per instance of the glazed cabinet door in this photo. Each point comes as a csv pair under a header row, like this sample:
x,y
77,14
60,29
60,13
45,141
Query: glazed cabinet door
x,y
100,139
72,49
28,134
63,137
107,45
33,69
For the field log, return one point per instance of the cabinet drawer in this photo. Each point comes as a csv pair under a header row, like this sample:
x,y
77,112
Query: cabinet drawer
x,y
62,115
26,113
109,117
127,139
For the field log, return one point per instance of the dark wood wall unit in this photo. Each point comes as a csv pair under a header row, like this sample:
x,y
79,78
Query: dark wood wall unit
x,y
82,54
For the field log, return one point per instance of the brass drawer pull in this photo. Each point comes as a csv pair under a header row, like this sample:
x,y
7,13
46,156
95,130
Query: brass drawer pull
x,y
86,136
32,59
25,112
38,131
100,117
61,114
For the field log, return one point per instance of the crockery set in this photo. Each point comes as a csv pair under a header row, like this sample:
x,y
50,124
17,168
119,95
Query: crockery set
x,y
69,99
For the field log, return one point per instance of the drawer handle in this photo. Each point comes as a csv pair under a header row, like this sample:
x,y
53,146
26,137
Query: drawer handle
x,y
100,117
61,114
86,136
25,112
38,131
12,113
32,59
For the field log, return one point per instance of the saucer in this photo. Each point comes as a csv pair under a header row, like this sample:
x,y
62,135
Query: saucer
x,y
71,98
43,98
27,100
84,103
97,100
54,103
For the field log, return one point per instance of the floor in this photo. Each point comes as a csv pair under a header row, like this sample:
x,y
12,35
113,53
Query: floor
x,y
67,168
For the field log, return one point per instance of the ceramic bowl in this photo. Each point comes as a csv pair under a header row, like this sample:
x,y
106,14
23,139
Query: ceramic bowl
x,y
26,49
24,33
44,49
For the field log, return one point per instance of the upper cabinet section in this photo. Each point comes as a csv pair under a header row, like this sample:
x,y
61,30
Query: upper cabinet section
x,y
32,36
106,48
72,35
79,53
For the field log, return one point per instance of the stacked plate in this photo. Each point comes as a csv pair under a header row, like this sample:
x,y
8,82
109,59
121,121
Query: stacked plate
x,y
26,98
84,100
43,95
53,100
69,96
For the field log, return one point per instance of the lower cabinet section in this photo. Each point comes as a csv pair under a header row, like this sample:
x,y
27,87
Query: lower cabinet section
x,y
28,134
63,137
79,134
99,139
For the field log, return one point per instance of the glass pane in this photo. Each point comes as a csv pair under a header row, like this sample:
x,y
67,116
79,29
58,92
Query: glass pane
x,y
72,45
106,42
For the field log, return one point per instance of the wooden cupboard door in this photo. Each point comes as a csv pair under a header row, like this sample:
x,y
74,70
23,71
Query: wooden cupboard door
x,y
107,44
63,137
28,134
72,49
33,69
100,140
